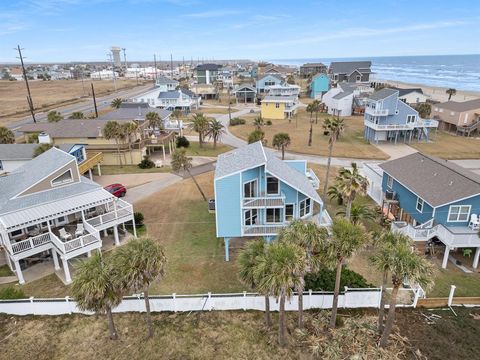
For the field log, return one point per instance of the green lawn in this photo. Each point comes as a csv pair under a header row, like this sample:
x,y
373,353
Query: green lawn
x,y
5,271
467,284
207,150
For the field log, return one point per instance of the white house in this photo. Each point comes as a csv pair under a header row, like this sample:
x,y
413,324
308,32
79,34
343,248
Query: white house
x,y
283,90
412,96
50,213
182,99
103,75
340,100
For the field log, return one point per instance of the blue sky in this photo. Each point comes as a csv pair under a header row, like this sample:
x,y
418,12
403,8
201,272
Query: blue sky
x,y
75,30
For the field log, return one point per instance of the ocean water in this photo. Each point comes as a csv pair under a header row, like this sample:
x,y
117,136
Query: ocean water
x,y
457,71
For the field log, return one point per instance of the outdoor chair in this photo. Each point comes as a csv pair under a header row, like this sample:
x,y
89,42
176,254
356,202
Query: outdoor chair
x,y
64,235
79,230
474,222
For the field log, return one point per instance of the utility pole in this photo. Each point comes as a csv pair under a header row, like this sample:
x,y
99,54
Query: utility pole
x,y
94,101
171,66
125,60
155,64
29,96
110,57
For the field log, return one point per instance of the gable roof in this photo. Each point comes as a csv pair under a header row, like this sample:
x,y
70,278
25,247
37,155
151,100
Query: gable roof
x,y
211,67
134,111
162,79
316,76
81,128
17,151
245,87
383,94
436,181
347,67
460,106
278,77
254,155
402,92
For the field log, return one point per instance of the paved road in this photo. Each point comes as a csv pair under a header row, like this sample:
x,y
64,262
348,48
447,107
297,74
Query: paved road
x,y
84,106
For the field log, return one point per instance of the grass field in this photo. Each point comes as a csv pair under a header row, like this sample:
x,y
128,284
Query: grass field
x,y
207,150
49,94
448,146
350,145
214,110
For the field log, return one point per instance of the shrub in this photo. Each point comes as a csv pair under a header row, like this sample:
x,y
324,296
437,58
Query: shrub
x,y
146,163
182,141
237,121
324,280
32,139
269,122
138,217
10,292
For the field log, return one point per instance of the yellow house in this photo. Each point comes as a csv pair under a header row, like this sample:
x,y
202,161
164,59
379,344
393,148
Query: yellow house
x,y
278,107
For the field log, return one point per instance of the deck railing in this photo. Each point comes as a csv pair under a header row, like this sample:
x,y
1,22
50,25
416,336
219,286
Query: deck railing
x,y
264,229
123,209
31,243
90,162
264,201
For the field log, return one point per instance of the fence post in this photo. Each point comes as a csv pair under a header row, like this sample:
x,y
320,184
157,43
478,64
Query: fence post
x,y
450,296
345,297
209,301
310,298
380,297
416,297
174,296
244,301
67,300
31,305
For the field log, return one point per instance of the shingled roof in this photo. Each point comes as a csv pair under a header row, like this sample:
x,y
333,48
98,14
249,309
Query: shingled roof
x,y
347,67
436,181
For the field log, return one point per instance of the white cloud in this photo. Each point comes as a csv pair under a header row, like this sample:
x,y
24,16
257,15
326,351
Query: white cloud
x,y
213,14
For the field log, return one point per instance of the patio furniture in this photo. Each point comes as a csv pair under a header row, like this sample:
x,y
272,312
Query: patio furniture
x,y
79,230
64,235
474,222
34,232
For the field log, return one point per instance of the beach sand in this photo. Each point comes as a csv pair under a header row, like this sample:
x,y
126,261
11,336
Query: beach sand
x,y
435,93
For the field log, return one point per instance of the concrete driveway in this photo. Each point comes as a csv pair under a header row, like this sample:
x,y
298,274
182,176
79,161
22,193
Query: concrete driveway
x,y
395,151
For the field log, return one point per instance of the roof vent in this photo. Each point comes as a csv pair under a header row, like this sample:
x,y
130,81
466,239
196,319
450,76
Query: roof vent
x,y
451,183
435,174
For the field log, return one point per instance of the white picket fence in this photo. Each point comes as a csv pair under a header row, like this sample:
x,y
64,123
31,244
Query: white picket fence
x,y
349,298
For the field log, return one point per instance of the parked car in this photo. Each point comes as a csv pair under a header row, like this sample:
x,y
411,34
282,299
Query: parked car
x,y
117,190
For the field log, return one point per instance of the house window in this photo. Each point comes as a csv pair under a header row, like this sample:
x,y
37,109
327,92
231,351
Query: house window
x,y
62,220
411,119
273,187
420,205
289,212
65,178
16,233
389,181
250,217
458,213
304,207
250,189
277,105
274,215
359,78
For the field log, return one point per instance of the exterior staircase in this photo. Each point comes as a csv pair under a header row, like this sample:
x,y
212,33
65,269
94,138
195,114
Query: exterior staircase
x,y
467,130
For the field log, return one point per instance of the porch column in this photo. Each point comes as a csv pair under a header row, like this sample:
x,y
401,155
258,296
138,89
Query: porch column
x,y
476,258
115,235
55,259
227,248
99,169
68,279
445,257
123,227
89,254
18,270
105,233
90,174
163,151
9,261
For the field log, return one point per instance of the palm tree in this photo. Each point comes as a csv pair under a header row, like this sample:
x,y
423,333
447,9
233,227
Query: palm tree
x,y
277,271
351,183
334,193
180,161
113,131
346,238
6,135
200,125
380,260
256,135
316,109
404,263
138,264
128,129
311,110
247,261
177,114
54,116
258,123
76,115
332,128
451,92
40,149
359,213
94,290
154,120
215,131
310,238
116,103
281,141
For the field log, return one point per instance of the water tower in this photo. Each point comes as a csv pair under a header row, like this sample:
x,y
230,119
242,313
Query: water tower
x,y
116,55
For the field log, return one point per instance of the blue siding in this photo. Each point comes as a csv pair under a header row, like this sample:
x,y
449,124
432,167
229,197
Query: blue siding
x,y
299,165
390,103
269,78
319,85
441,213
227,206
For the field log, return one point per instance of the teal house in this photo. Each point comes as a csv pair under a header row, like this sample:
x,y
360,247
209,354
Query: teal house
x,y
433,200
257,194
319,85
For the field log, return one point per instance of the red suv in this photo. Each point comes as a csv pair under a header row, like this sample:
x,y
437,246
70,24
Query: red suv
x,y
117,190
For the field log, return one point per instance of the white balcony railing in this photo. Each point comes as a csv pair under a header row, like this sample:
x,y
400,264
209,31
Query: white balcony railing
x,y
264,229
120,212
376,112
428,123
264,201
29,244
374,126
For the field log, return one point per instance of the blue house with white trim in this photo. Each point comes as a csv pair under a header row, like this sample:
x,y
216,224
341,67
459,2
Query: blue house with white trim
x,y
257,194
433,198
267,80
387,118
319,85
